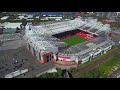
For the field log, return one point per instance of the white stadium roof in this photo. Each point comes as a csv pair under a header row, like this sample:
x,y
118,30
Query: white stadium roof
x,y
41,36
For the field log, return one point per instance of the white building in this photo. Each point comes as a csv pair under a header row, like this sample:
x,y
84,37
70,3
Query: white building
x,y
53,17
11,25
37,17
5,17
25,16
21,17
16,73
29,16
44,19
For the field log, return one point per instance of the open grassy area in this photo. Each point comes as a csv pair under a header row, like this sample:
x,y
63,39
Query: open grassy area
x,y
91,69
74,40
110,65
105,69
99,57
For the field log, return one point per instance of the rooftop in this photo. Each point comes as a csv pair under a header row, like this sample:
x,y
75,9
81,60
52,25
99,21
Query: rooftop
x,y
4,18
41,37
82,48
11,25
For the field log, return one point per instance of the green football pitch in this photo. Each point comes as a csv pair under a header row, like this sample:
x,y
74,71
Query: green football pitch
x,y
74,40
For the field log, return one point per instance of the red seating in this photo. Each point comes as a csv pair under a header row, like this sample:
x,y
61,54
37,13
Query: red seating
x,y
85,35
81,34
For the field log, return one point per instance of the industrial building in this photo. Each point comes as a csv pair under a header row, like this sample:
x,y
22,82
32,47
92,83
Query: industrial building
x,y
55,18
8,25
9,28
5,17
45,41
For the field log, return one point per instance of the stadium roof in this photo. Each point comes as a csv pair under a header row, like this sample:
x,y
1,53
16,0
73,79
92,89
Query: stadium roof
x,y
41,36
58,27
85,49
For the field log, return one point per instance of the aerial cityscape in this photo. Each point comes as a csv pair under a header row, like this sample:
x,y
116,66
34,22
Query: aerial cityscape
x,y
59,44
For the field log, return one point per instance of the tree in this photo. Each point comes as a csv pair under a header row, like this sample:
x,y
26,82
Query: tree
x,y
51,75
59,71
40,76
24,22
73,70
48,75
55,75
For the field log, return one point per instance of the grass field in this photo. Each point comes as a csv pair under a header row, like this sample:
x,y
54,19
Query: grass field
x,y
74,40
105,69
110,65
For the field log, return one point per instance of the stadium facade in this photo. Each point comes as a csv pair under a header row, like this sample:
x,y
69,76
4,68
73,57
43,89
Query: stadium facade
x,y
45,41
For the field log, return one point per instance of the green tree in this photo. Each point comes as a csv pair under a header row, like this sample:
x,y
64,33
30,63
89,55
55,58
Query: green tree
x,y
43,76
40,76
55,75
73,70
59,71
48,75
24,22
51,75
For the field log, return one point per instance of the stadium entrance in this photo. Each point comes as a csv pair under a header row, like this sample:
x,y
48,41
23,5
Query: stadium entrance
x,y
49,57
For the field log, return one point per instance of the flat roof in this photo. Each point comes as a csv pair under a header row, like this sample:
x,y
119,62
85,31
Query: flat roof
x,y
12,25
5,17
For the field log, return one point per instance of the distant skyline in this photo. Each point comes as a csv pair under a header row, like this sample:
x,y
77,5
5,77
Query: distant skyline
x,y
54,13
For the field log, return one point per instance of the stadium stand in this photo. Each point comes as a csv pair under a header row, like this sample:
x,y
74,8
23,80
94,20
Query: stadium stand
x,y
48,38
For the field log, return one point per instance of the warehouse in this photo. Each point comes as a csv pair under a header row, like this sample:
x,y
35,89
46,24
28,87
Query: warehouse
x,y
5,17
10,28
8,25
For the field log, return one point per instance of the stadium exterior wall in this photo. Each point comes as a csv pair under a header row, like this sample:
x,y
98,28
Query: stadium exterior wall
x,y
42,58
